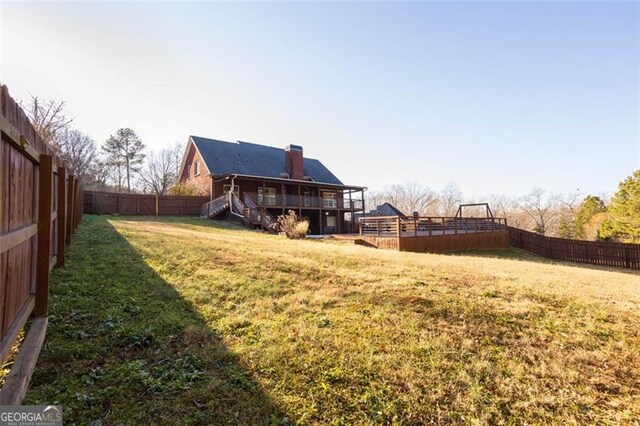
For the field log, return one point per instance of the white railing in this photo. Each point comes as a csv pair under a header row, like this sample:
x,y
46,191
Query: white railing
x,y
214,206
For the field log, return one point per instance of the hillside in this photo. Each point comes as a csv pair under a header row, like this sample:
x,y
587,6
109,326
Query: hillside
x,y
182,320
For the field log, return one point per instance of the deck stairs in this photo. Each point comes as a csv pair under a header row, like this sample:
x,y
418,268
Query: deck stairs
x,y
214,207
249,214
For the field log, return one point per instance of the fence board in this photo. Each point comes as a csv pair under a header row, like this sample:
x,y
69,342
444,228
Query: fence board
x,y
33,186
602,253
98,202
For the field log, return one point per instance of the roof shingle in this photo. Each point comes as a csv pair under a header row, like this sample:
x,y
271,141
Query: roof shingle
x,y
247,158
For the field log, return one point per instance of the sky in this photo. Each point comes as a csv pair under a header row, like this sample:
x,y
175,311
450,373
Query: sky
x,y
499,97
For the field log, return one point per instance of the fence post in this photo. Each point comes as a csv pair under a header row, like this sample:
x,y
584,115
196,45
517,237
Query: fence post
x,y
62,214
75,203
415,226
157,205
398,226
45,197
70,208
627,259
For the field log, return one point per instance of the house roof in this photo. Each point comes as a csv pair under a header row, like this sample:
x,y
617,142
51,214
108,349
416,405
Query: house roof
x,y
386,209
247,158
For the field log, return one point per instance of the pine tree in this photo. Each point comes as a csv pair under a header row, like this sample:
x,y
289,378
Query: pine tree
x,y
566,227
124,155
591,206
624,212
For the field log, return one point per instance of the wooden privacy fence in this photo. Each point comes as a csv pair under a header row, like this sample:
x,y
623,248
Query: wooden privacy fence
x,y
40,205
601,253
96,202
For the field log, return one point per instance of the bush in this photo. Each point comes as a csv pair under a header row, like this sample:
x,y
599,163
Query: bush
x,y
292,227
183,189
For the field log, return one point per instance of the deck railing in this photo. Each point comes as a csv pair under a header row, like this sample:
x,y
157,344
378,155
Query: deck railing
x,y
395,226
213,207
300,201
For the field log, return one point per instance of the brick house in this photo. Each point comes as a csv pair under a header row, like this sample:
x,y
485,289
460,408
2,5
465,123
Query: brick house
x,y
260,182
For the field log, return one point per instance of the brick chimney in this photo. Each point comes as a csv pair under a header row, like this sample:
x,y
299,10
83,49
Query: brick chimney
x,y
294,161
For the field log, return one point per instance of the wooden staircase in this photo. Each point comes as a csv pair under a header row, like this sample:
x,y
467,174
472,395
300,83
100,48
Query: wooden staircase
x,y
250,215
214,207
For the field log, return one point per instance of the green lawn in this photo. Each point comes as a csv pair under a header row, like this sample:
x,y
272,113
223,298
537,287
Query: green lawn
x,y
183,321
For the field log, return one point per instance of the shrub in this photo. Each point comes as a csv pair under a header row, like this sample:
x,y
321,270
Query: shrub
x,y
291,226
183,189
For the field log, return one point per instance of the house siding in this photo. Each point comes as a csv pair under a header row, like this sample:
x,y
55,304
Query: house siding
x,y
202,182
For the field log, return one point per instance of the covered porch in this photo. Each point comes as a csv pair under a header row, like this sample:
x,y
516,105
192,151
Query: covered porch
x,y
329,208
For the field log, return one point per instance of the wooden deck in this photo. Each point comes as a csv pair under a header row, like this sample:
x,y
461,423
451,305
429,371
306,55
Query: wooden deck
x,y
434,234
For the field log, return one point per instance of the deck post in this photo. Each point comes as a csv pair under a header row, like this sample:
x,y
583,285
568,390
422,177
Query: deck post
x,y
444,227
378,226
299,201
398,226
455,226
415,226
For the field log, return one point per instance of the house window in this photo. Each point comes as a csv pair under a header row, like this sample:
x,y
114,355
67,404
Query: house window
x,y
267,196
307,197
196,168
331,221
227,188
329,199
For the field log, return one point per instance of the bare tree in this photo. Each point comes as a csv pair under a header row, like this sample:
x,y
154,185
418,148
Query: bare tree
x,y
539,206
410,197
374,199
159,172
77,150
570,201
176,154
97,176
450,199
47,116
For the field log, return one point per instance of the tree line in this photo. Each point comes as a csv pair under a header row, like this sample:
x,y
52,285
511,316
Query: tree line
x,y
122,163
571,215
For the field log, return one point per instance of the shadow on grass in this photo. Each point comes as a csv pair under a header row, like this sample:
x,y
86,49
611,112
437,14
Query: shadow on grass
x,y
518,254
124,347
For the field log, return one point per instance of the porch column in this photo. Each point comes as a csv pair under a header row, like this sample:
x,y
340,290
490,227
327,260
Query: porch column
x,y
212,189
299,202
352,213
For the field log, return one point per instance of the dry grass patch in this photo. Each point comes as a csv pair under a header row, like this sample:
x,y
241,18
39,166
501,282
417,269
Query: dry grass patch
x,y
341,334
